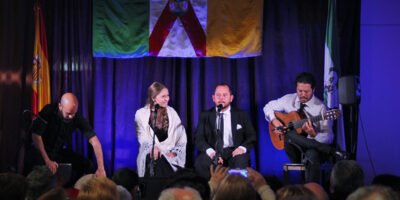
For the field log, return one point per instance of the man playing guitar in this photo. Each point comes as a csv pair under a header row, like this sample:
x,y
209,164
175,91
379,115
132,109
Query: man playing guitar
x,y
315,135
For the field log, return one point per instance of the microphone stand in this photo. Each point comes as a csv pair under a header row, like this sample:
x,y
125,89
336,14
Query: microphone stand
x,y
219,134
154,141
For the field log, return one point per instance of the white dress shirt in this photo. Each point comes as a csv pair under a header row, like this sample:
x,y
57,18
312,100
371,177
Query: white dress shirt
x,y
315,107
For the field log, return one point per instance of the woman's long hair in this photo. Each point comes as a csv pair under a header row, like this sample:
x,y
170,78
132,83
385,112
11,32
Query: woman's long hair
x,y
162,116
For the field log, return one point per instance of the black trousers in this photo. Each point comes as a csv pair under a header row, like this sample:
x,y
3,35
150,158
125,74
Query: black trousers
x,y
162,168
312,153
203,162
80,164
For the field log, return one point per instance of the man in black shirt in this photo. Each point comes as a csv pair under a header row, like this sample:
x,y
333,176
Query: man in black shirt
x,y
49,138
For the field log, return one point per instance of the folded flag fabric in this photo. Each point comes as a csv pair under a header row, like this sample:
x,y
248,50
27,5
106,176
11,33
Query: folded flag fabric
x,y
177,28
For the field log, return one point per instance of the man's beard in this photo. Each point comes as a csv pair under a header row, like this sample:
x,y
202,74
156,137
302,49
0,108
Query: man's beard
x,y
65,120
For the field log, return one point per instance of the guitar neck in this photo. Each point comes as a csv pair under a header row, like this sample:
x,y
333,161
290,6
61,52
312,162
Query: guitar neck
x,y
300,123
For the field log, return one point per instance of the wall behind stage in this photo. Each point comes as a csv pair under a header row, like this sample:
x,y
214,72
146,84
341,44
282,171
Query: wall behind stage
x,y
378,134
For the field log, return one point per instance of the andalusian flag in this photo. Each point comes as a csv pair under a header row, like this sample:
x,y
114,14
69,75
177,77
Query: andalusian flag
x,y
332,69
177,28
40,73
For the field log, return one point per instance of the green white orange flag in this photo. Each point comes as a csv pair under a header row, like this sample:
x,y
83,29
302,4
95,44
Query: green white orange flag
x,y
332,69
40,73
177,28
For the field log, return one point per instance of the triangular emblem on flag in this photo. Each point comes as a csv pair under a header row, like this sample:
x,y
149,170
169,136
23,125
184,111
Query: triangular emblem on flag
x,y
177,28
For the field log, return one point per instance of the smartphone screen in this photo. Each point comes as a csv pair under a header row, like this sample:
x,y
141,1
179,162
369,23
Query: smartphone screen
x,y
242,172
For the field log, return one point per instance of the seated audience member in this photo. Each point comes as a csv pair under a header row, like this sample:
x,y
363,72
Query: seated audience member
x,y
274,182
346,177
54,194
188,178
373,193
224,134
159,121
388,180
99,188
123,193
83,181
260,184
13,186
318,190
126,178
40,180
185,193
235,187
295,192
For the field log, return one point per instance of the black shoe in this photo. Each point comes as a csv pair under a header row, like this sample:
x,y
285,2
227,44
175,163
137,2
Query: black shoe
x,y
341,155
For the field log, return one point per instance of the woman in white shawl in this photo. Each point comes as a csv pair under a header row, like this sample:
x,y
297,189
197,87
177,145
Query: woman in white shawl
x,y
170,136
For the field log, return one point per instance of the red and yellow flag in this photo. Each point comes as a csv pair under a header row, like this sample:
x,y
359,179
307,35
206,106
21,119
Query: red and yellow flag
x,y
40,73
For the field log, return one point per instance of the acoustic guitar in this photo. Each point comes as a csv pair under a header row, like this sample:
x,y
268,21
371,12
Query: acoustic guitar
x,y
294,121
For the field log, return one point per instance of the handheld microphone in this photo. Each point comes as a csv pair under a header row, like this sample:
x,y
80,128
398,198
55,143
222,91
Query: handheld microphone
x,y
219,107
38,116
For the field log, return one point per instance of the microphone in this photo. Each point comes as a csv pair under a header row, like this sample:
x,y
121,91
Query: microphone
x,y
219,107
156,107
38,116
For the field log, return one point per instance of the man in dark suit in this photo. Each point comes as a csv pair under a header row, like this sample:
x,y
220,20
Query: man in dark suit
x,y
224,135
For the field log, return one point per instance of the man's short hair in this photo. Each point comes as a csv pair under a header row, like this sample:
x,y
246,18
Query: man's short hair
x,y
40,180
307,78
185,177
13,186
126,177
346,177
179,194
373,192
225,84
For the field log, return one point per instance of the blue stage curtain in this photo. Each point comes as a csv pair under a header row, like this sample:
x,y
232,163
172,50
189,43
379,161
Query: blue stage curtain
x,y
111,90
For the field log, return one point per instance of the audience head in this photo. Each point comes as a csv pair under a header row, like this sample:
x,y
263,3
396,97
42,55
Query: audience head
x,y
123,193
99,188
185,193
388,180
188,178
83,181
40,180
345,178
54,194
223,95
241,186
373,193
13,186
126,178
295,192
318,191
157,94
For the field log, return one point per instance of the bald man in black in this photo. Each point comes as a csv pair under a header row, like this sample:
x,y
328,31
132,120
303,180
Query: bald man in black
x,y
49,138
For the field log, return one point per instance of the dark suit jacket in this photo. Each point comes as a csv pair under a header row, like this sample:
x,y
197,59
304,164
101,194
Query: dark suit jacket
x,y
205,136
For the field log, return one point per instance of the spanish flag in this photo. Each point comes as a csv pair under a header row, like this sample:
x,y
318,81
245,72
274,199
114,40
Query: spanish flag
x,y
177,28
40,73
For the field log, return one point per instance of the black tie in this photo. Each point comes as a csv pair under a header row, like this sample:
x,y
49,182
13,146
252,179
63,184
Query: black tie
x,y
301,109
221,130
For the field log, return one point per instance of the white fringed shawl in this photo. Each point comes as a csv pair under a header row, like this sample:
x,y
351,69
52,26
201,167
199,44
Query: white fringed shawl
x,y
175,143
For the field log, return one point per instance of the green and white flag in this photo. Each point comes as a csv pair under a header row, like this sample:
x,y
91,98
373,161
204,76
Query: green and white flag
x,y
331,69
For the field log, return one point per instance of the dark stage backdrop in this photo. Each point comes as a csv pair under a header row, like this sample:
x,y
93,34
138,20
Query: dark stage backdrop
x,y
111,90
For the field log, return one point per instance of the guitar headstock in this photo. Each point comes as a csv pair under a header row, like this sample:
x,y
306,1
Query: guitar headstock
x,y
332,114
